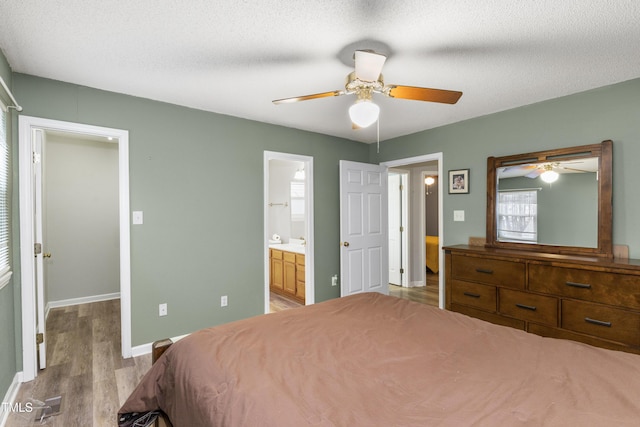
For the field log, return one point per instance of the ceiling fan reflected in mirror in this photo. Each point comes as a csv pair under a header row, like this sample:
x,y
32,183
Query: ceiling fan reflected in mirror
x,y
549,172
366,80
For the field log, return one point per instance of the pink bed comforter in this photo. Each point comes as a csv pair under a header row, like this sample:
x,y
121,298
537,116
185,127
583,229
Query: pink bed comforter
x,y
374,360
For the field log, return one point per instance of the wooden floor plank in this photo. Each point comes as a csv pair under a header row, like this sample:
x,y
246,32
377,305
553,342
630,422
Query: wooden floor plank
x,y
84,360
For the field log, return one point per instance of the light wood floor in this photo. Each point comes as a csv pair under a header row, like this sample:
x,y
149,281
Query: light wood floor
x,y
428,294
85,366
279,303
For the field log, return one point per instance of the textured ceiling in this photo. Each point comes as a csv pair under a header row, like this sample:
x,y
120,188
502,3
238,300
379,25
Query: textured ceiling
x,y
234,57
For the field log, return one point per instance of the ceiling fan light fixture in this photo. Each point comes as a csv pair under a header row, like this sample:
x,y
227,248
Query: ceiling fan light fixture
x,y
364,113
368,65
549,176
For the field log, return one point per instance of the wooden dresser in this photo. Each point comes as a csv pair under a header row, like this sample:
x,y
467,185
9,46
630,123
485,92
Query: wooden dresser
x,y
587,299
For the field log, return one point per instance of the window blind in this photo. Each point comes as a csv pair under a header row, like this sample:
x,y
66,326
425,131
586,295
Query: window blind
x,y
518,216
5,266
297,200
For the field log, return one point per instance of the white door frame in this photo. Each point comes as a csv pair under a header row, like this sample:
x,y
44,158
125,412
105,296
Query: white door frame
x,y
420,159
121,137
309,287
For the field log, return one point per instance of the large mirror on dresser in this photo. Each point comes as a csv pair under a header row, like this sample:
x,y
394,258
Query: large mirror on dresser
x,y
556,201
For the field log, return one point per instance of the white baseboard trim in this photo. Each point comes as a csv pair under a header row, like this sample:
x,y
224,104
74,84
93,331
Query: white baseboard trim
x,y
141,350
81,300
10,397
417,284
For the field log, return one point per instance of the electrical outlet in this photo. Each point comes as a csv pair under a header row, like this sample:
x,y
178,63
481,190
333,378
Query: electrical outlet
x,y
334,280
224,301
162,309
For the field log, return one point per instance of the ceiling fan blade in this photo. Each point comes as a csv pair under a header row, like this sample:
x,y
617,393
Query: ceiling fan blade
x,y
574,170
423,94
368,65
307,97
534,174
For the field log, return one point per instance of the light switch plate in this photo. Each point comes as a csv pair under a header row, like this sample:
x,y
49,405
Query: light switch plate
x,y
137,217
458,215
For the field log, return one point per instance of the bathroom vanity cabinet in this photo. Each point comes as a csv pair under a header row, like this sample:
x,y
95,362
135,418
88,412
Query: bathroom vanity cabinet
x,y
287,275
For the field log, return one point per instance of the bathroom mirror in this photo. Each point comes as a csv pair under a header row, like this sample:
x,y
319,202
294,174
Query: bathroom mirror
x,y
557,201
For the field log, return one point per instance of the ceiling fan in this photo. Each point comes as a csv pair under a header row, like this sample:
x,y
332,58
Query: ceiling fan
x,y
367,80
546,171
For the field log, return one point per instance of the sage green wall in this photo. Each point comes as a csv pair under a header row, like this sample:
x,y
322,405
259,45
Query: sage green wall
x,y
611,112
198,178
8,295
567,209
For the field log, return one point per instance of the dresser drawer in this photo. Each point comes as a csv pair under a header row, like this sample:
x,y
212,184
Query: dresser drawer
x,y
601,321
489,271
607,288
276,254
529,307
474,295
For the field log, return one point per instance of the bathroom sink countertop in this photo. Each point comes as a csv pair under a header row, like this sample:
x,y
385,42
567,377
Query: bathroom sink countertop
x,y
289,247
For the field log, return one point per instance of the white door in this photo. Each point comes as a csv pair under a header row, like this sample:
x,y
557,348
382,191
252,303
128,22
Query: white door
x,y
398,228
395,233
364,252
38,144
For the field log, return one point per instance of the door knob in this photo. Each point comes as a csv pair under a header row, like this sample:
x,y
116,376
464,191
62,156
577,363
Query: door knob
x,y
46,255
345,244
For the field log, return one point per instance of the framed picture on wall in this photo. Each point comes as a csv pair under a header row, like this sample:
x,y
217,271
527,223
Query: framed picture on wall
x,y
459,181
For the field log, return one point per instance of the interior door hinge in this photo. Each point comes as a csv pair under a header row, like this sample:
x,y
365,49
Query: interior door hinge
x,y
36,158
402,271
37,248
39,338
401,229
401,187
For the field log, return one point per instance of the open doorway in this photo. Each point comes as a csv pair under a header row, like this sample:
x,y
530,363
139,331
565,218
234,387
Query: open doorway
x,y
33,134
288,226
424,229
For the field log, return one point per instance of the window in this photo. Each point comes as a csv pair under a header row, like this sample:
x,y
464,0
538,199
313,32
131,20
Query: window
x,y
5,267
297,200
518,216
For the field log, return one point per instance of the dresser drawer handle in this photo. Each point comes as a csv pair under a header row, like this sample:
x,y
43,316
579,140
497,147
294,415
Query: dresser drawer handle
x,y
484,270
527,307
597,322
579,285
472,295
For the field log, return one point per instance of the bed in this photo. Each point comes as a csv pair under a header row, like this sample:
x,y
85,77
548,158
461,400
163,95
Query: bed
x,y
432,253
376,360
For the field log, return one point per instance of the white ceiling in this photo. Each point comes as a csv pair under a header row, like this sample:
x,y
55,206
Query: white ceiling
x,y
235,56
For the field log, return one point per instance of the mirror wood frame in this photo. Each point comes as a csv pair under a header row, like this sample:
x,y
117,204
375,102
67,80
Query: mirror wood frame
x,y
604,152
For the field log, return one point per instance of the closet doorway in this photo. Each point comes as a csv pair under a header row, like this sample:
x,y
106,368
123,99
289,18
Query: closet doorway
x,y
31,132
420,238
